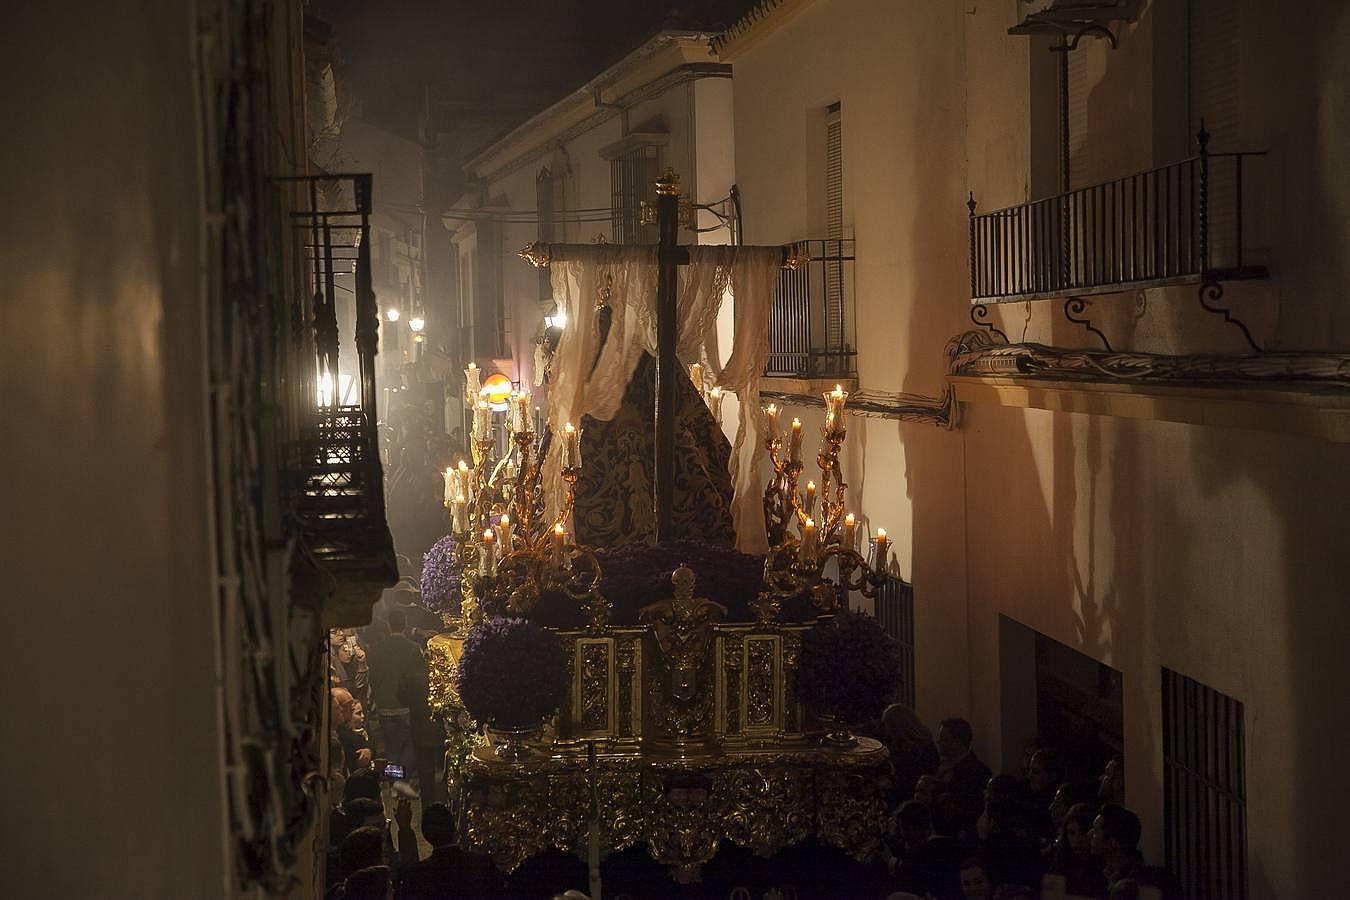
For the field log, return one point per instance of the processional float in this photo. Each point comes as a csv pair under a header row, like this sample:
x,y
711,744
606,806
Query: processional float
x,y
680,730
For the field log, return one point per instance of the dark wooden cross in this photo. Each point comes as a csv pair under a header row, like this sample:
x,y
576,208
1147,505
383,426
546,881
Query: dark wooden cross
x,y
669,257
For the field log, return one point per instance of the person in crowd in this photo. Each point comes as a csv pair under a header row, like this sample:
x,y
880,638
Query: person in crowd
x,y
1043,777
427,734
363,812
977,881
448,873
1071,855
927,789
1111,786
961,769
395,661
365,784
355,740
370,883
1114,839
945,850
912,749
914,827
360,849
1068,795
347,667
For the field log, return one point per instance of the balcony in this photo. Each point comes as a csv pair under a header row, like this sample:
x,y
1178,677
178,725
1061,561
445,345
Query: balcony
x,y
811,329
1177,224
337,477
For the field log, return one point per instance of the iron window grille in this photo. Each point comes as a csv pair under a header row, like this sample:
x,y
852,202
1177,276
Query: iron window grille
x,y
895,613
550,203
1204,789
811,322
632,181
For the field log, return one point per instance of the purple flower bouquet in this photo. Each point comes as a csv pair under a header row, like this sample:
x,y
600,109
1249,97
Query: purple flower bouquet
x,y
850,668
512,673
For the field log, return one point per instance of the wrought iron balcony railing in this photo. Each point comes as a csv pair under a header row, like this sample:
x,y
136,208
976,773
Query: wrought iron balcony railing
x,y
811,332
1179,223
339,481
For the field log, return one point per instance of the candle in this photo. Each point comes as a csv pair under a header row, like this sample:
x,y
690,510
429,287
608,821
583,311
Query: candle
x,y
850,531
504,532
472,385
715,403
570,457
451,484
807,551
559,541
834,409
696,373
482,422
810,498
520,413
459,510
465,481
771,411
883,545
487,554
795,447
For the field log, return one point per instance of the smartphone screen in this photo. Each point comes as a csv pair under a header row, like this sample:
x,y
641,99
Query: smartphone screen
x,y
393,771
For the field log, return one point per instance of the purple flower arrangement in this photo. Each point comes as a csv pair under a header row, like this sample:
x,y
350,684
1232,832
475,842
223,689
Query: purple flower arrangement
x,y
440,581
512,673
850,668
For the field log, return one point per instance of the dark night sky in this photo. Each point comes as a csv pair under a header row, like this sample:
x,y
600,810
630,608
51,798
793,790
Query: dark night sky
x,y
489,56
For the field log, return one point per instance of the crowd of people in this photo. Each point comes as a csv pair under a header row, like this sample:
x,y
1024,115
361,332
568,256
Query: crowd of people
x,y
384,750
962,833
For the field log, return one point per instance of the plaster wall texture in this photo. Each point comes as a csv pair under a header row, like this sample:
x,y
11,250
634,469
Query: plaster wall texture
x,y
112,733
1217,553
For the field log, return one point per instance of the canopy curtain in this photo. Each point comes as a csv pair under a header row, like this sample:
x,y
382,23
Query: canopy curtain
x,y
630,273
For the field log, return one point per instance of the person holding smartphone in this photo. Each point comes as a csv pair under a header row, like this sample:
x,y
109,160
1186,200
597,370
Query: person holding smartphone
x,y
347,665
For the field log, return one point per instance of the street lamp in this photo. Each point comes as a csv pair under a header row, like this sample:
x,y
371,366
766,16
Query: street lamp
x,y
417,323
392,314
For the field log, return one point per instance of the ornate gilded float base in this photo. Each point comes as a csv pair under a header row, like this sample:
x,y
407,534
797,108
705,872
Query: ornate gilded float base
x,y
681,808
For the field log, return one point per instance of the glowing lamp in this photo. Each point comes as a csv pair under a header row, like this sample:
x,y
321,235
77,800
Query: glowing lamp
x,y
496,390
391,314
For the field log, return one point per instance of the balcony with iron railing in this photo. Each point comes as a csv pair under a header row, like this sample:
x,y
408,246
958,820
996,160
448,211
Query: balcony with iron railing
x,y
811,329
338,480
1176,224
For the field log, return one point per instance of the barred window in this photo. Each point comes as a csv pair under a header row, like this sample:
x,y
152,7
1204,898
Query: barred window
x,y
895,613
549,206
632,180
834,227
1204,789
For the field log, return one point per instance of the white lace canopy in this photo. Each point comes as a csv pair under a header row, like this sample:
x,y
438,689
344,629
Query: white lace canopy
x,y
577,390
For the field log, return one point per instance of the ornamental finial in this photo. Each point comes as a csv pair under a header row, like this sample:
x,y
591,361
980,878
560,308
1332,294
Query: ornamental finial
x,y
536,254
668,185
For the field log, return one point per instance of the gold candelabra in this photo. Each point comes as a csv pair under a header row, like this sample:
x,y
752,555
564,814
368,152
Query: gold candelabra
x,y
508,551
797,562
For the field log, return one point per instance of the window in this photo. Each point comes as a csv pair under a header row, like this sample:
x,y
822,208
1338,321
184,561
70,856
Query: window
x,y
895,613
834,227
632,179
1204,789
549,206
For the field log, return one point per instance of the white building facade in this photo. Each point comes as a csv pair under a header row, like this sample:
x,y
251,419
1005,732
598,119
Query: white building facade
x,y
1194,570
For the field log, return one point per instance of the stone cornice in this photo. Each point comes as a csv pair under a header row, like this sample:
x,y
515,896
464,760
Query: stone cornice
x,y
764,18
